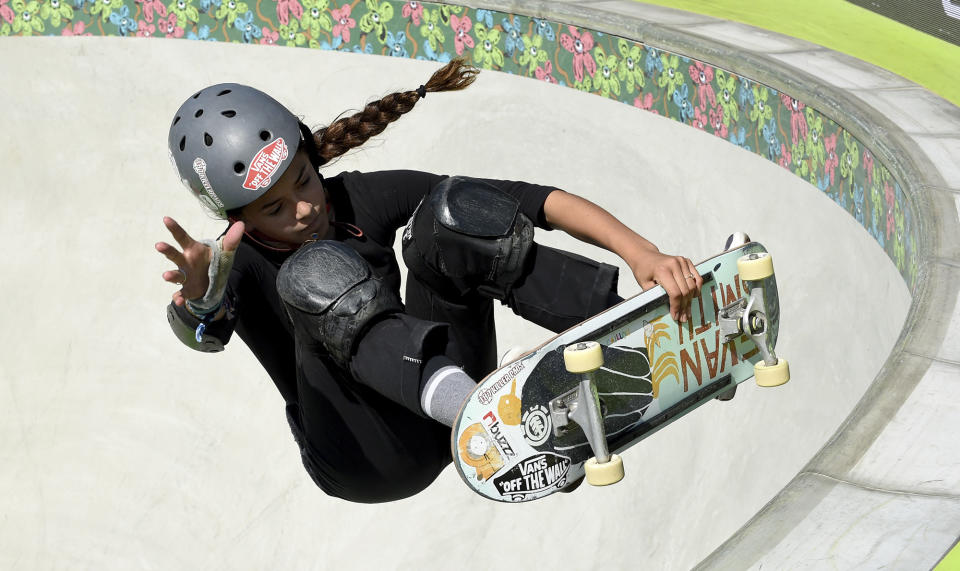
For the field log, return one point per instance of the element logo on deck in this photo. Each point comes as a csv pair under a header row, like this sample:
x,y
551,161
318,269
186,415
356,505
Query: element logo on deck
x,y
486,395
536,425
493,426
265,163
533,476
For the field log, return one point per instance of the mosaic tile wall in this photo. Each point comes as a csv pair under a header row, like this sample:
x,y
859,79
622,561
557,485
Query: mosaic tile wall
x,y
747,114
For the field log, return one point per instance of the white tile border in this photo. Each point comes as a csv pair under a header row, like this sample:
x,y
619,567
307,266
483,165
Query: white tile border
x,y
917,449
915,110
747,37
841,71
944,153
857,528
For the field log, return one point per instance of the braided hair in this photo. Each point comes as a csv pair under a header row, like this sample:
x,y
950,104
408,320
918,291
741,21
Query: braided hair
x,y
332,141
347,133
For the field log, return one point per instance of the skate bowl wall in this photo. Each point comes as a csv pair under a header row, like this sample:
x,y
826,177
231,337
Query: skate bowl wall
x,y
842,170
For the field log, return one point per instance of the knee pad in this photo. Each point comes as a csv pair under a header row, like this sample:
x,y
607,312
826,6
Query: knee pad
x,y
468,235
331,295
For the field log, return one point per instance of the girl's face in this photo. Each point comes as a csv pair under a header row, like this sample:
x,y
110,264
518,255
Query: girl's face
x,y
294,209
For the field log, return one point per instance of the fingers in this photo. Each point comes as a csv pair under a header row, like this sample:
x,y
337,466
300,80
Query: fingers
x,y
191,263
645,285
171,253
669,284
692,283
179,234
692,271
231,240
682,282
680,301
176,277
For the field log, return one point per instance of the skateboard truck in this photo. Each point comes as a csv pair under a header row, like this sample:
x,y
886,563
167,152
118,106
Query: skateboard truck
x,y
748,316
582,406
741,317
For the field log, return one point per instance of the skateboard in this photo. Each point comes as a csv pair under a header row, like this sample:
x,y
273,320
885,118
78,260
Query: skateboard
x,y
565,409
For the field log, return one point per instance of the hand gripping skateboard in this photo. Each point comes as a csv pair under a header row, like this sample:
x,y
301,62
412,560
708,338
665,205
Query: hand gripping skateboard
x,y
565,409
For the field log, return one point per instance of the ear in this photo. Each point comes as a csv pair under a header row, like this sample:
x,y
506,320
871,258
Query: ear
x,y
233,220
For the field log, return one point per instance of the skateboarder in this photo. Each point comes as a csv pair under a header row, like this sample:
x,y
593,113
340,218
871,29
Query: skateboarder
x,y
306,275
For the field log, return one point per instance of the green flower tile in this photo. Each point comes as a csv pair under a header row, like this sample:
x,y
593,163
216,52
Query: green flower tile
x,y
751,115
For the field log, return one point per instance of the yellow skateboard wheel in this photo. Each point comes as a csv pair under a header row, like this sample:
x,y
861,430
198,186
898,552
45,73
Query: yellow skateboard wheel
x,y
604,474
773,375
756,266
583,357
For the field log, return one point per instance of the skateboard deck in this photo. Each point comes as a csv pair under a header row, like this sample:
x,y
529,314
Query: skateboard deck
x,y
515,438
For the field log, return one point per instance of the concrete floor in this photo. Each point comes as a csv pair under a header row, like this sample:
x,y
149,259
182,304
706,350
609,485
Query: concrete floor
x,y
122,449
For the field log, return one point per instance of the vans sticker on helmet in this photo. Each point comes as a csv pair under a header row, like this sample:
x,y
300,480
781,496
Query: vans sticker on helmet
x,y
265,163
200,167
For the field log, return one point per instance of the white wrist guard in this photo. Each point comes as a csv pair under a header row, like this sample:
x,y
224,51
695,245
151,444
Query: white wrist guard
x,y
218,272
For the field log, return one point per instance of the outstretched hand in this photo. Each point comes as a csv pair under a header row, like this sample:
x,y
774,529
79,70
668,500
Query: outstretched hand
x,y
193,261
678,276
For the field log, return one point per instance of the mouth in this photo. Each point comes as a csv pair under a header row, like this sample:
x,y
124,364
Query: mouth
x,y
314,225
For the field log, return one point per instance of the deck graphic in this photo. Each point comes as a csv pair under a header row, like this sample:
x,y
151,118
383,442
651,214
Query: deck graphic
x,y
655,370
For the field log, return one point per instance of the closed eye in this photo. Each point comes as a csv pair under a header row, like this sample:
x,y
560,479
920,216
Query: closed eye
x,y
275,210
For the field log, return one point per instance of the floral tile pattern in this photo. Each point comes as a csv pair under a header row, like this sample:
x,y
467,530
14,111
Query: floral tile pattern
x,y
745,113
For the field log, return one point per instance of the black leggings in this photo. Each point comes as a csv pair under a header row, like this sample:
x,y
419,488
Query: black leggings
x,y
559,290
363,436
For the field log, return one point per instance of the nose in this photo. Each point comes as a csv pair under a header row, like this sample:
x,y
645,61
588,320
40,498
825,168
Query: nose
x,y
304,210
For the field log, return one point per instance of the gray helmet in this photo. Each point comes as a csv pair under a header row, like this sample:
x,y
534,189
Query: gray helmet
x,y
230,143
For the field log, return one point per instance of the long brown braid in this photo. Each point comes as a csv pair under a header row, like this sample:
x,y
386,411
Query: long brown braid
x,y
353,131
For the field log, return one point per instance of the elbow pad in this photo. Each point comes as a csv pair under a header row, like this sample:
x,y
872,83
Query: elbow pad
x,y
184,326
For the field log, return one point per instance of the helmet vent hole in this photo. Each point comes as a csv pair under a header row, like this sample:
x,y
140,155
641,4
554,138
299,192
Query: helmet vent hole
x,y
264,135
183,142
229,113
224,92
198,113
198,94
176,119
207,139
238,168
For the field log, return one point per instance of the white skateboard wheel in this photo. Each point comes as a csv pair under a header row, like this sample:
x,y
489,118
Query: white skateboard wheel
x,y
604,474
773,375
756,266
583,357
